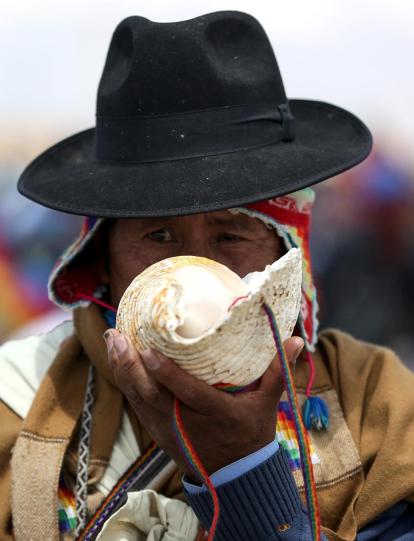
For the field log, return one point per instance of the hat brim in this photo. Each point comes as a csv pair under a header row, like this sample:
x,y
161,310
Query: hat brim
x,y
66,177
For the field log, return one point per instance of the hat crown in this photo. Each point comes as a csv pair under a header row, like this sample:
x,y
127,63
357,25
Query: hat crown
x,y
219,59
192,117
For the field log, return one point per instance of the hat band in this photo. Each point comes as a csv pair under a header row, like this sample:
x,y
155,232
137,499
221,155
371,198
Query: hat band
x,y
193,134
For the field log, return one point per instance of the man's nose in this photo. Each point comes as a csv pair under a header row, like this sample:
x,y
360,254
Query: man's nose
x,y
198,246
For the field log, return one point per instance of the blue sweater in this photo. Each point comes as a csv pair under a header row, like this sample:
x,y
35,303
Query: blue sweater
x,y
263,504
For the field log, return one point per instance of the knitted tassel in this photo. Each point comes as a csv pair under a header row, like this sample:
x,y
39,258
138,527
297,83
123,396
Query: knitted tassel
x,y
315,413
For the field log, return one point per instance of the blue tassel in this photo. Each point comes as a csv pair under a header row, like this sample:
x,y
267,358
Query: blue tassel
x,y
315,413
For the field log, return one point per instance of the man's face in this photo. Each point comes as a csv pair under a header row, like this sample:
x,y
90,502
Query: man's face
x,y
242,243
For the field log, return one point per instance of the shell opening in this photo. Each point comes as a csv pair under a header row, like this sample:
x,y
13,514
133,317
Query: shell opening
x,y
195,311
204,300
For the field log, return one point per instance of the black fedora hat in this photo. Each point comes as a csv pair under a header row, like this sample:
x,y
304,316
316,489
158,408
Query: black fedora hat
x,y
192,116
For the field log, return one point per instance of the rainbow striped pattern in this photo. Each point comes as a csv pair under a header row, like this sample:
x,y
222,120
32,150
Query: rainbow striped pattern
x,y
300,430
66,507
286,437
193,460
230,388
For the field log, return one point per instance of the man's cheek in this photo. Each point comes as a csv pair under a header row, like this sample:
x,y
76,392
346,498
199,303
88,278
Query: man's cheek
x,y
120,278
124,270
241,263
254,259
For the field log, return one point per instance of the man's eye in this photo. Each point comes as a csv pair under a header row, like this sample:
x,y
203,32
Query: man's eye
x,y
160,235
229,237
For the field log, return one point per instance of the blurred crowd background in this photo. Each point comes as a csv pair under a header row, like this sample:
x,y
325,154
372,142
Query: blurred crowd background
x,y
357,56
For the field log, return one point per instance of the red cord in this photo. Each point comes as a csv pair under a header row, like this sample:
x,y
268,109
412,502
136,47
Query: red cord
x,y
90,298
309,358
196,464
237,299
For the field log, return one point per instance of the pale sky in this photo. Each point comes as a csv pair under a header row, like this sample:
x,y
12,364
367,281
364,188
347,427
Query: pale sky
x,y
354,53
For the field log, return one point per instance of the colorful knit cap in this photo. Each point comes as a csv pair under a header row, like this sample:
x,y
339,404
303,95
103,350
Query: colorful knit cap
x,y
73,278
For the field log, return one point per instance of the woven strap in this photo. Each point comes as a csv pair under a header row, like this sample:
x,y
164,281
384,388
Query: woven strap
x,y
34,511
150,470
83,454
42,442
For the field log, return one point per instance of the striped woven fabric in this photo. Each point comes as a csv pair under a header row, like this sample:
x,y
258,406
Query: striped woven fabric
x,y
66,506
286,437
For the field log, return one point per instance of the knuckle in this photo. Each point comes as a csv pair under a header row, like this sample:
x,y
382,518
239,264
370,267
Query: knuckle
x,y
129,363
133,397
124,370
113,363
150,394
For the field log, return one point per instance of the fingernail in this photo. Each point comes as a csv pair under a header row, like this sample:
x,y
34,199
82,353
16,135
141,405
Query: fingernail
x,y
151,360
109,339
120,344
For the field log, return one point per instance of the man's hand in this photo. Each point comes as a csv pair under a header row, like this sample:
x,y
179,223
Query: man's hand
x,y
222,427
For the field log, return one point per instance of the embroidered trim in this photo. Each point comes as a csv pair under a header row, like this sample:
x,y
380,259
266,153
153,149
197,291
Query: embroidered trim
x,y
136,477
82,471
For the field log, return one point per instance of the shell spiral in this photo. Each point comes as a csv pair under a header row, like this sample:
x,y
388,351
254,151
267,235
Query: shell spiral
x,y
209,320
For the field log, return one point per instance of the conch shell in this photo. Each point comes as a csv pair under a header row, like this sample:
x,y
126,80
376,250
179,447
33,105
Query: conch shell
x,y
208,319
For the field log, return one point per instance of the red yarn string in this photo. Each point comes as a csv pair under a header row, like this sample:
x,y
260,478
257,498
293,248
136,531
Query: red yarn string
x,y
237,299
90,298
311,363
197,465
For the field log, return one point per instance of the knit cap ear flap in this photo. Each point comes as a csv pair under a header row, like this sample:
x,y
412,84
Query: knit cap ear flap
x,y
290,217
71,283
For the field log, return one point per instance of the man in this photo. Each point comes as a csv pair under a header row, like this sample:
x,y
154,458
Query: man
x,y
194,151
